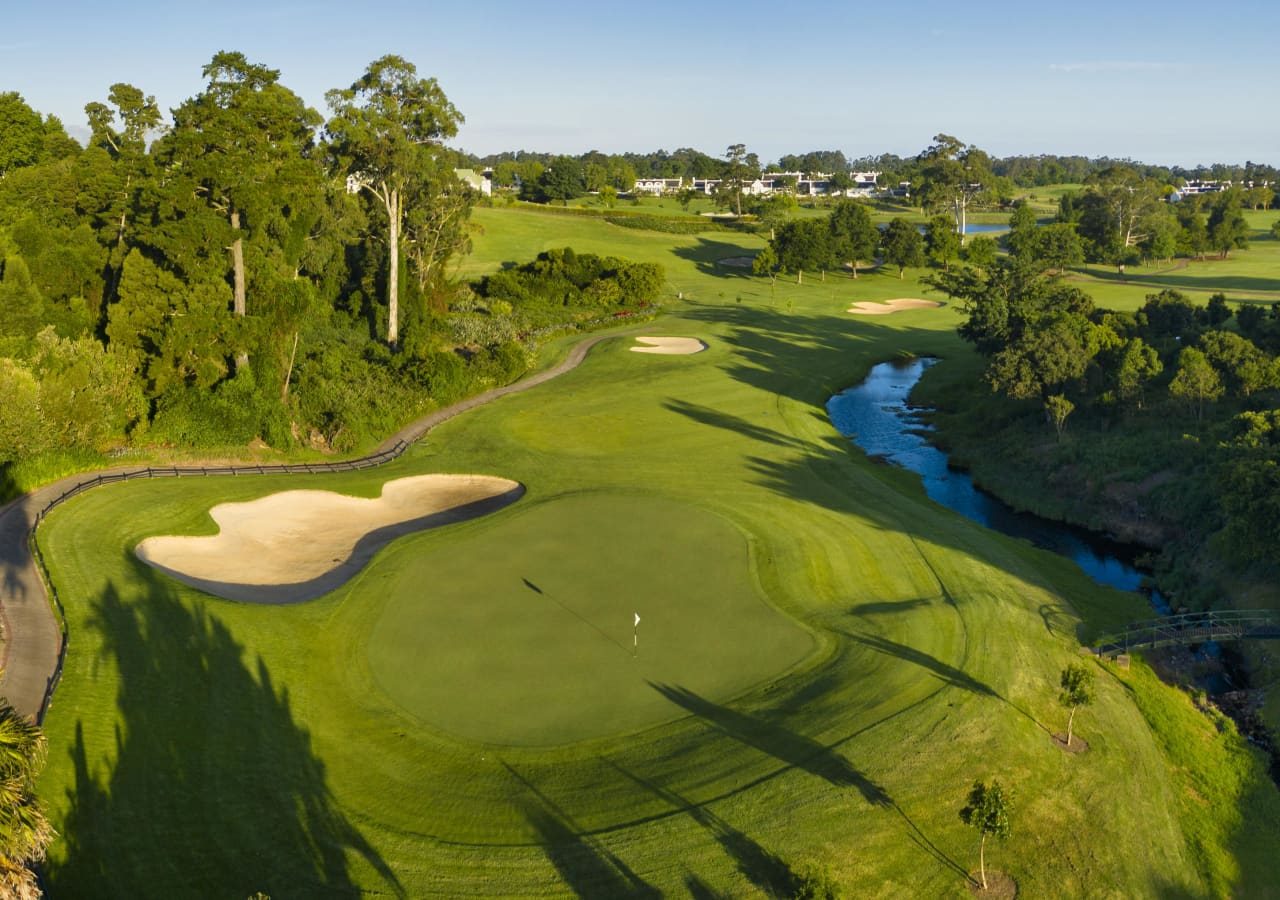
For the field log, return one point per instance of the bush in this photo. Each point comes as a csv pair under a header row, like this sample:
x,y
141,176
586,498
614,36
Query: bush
x,y
814,881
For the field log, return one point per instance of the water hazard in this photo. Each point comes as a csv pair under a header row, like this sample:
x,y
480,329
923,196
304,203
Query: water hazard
x,y
876,416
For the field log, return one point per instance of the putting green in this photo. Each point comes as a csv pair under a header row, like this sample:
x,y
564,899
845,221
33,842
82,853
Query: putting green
x,y
523,634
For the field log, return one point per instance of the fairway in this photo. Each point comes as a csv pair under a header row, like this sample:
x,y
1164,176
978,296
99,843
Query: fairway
x,y
826,660
523,635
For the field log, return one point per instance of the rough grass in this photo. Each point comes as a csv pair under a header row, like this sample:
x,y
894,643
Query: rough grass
x,y
200,747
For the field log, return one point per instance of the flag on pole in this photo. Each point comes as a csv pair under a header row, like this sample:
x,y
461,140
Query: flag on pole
x,y
637,619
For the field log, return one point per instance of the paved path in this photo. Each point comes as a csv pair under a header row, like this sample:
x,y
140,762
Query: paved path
x,y
32,637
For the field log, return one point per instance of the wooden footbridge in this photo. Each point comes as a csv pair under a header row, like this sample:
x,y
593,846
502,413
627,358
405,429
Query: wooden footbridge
x,y
1192,628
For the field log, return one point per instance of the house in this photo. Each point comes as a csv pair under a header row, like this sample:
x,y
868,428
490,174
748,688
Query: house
x,y
657,186
481,182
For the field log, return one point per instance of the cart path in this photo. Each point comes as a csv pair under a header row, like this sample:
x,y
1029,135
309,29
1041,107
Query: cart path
x,y
31,633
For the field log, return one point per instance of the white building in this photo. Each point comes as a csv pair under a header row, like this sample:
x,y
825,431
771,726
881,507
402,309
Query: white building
x,y
481,182
658,186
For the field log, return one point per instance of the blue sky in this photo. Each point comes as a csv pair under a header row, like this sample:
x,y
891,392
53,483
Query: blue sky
x,y
1165,82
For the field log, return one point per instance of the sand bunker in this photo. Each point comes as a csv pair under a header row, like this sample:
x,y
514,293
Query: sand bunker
x,y
297,545
669,346
891,306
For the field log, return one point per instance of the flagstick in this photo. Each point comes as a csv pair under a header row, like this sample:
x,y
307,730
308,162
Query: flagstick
x,y
635,635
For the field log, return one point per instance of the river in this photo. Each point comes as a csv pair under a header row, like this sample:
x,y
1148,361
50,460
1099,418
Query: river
x,y
876,416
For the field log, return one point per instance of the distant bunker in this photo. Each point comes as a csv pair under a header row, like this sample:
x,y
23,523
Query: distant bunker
x,y
866,308
298,545
669,346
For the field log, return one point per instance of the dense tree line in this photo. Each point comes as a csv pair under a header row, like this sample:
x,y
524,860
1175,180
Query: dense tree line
x,y
1212,369
247,269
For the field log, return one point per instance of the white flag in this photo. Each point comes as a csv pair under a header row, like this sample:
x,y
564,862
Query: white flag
x,y
637,619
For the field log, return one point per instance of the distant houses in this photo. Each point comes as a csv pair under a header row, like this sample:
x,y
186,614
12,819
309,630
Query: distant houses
x,y
1207,186
800,183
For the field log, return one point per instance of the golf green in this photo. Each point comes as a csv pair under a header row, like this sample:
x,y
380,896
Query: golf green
x,y
525,634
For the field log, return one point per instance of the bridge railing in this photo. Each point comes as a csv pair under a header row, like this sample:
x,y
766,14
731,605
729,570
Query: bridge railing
x,y
1192,628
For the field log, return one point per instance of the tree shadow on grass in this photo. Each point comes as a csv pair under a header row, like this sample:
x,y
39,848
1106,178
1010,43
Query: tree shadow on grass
x,y
777,741
803,753
585,865
707,254
719,419
946,673
8,485
212,787
763,868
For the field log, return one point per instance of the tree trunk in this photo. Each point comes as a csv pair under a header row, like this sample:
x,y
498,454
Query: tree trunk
x,y
800,276
982,861
854,264
237,276
393,275
288,375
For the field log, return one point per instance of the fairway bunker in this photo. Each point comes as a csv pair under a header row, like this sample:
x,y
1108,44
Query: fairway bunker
x,y
522,631
297,545
669,346
866,308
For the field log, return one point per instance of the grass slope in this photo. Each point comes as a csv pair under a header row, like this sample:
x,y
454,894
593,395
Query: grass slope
x,y
201,748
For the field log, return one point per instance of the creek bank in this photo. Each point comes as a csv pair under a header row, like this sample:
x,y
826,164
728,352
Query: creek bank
x,y
879,416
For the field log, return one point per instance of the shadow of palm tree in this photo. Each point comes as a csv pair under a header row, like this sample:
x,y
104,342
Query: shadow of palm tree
x,y
777,741
211,787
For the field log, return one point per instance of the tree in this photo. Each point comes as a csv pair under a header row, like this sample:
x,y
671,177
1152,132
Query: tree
x,y
951,175
902,245
1077,691
1057,408
980,252
803,244
740,169
436,222
1193,233
854,237
1057,247
25,833
563,180
1246,368
23,136
382,128
1196,380
1128,200
1022,230
238,143
765,262
1042,360
988,812
1228,229
942,241
121,129
1163,232
1139,363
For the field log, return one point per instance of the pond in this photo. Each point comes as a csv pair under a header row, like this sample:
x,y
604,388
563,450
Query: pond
x,y
876,416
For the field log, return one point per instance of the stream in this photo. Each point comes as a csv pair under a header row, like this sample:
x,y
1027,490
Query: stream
x,y
877,417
